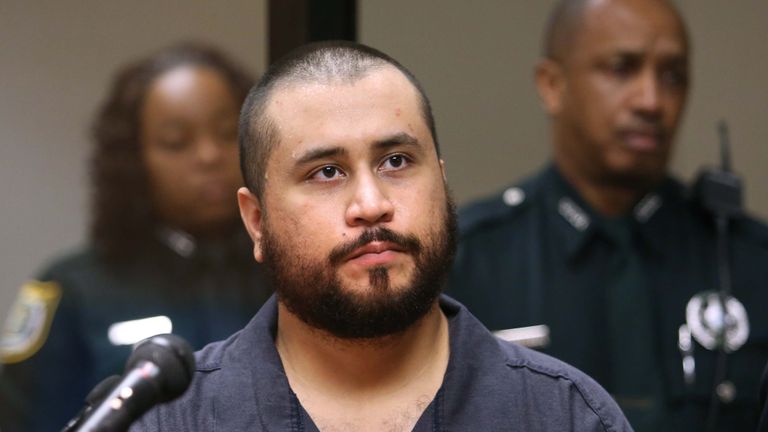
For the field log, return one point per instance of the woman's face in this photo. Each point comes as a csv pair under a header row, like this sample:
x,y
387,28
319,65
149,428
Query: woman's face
x,y
189,147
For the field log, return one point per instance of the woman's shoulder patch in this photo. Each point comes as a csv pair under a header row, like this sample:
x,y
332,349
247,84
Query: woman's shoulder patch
x,y
29,322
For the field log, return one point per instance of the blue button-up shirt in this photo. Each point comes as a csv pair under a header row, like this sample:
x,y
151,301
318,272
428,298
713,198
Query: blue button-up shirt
x,y
489,385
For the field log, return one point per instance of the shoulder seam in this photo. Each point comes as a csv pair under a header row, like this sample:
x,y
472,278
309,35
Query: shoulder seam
x,y
559,375
207,367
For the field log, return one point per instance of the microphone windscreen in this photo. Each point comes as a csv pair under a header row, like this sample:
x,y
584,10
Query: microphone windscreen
x,y
173,356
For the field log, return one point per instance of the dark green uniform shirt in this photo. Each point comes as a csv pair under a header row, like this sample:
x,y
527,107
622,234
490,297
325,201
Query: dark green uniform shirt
x,y
207,291
537,254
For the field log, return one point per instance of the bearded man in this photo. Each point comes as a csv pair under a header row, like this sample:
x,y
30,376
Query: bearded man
x,y
348,208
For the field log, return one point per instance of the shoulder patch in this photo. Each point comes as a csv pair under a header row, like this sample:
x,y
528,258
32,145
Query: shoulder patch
x,y
27,326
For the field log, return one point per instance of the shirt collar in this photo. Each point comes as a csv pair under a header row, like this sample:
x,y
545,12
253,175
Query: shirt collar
x,y
233,246
254,363
578,223
253,379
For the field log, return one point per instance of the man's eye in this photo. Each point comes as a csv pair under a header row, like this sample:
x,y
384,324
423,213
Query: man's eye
x,y
394,162
674,77
622,67
328,172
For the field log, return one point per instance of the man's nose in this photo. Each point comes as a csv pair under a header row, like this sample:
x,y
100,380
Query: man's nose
x,y
647,94
370,203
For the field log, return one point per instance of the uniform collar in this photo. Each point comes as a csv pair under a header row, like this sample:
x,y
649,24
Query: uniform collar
x,y
180,242
232,246
579,224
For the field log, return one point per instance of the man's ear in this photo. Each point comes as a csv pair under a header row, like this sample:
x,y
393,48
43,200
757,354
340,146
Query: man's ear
x,y
442,170
550,83
251,214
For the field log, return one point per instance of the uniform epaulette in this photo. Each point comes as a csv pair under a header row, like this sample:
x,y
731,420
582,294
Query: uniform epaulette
x,y
754,229
500,206
747,226
77,260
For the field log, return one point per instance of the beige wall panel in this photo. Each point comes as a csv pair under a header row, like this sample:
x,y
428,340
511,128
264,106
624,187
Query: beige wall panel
x,y
475,59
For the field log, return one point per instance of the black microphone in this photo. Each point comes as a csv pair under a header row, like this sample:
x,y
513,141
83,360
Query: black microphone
x,y
94,398
159,369
720,190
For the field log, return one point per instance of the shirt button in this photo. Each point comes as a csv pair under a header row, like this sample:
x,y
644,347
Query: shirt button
x,y
513,196
726,391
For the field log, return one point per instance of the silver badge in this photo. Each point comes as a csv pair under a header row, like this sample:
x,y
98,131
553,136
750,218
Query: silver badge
x,y
575,216
647,207
708,321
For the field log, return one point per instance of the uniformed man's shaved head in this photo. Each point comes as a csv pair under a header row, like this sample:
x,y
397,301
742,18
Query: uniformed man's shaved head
x,y
567,17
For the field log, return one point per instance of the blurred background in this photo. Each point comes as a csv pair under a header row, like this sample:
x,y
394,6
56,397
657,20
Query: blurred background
x,y
475,60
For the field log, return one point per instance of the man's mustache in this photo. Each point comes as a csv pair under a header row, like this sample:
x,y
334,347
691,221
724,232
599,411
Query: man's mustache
x,y
409,243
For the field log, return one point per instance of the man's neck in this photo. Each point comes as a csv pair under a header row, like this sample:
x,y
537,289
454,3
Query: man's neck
x,y
374,382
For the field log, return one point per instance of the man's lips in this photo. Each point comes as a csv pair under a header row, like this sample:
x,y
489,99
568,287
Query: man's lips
x,y
643,140
379,242
375,252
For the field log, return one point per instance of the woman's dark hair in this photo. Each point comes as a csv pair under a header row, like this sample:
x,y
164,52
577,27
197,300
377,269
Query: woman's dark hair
x,y
123,216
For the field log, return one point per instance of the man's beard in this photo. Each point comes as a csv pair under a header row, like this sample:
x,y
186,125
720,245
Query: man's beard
x,y
314,292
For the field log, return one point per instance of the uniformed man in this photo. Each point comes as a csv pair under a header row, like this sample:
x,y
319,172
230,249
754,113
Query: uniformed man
x,y
605,249
348,209
167,252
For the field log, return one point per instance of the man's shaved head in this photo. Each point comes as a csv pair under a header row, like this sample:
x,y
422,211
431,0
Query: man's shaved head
x,y
566,20
614,79
320,62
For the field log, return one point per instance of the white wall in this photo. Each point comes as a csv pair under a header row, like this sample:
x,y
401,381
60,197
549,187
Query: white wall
x,y
56,62
476,60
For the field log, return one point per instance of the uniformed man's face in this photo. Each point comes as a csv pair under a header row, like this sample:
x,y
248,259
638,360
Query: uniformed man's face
x,y
621,87
189,146
356,226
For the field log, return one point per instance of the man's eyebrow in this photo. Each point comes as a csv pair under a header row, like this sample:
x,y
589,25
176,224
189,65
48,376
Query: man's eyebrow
x,y
638,52
315,154
320,153
397,139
